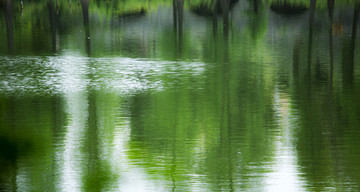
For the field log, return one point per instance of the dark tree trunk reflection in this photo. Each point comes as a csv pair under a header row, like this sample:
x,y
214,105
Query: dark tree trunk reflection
x,y
331,49
256,6
178,12
85,12
349,52
311,31
296,61
8,10
226,6
52,24
226,22
214,17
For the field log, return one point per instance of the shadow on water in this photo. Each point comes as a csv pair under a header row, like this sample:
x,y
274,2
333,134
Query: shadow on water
x,y
8,156
133,14
287,8
24,141
257,19
211,8
10,144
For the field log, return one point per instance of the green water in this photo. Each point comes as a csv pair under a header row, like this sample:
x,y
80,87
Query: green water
x,y
247,95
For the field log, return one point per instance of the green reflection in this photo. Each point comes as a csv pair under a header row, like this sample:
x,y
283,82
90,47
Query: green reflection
x,y
179,95
30,130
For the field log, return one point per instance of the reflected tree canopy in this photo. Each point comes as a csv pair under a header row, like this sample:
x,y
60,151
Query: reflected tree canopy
x,y
179,95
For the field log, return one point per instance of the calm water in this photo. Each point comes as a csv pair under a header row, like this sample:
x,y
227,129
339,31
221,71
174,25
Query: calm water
x,y
248,95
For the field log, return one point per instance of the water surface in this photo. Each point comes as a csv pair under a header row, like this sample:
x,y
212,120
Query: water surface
x,y
248,95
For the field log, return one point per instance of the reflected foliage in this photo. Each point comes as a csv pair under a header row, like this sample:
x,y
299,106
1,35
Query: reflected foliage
x,y
30,130
203,95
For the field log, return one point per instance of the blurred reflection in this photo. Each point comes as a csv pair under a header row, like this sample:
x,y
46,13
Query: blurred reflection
x,y
9,148
226,7
349,51
8,158
330,5
288,7
95,176
178,12
211,7
311,32
53,24
28,136
85,13
285,173
203,95
8,10
71,153
257,19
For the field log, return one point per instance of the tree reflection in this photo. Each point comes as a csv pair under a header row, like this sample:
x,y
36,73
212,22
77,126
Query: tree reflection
x,y
349,51
215,128
8,10
178,12
25,137
53,26
9,146
257,19
331,44
85,13
310,46
93,167
226,23
322,124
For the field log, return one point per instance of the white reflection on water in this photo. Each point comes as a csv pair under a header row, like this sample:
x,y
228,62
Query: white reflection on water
x,y
285,175
77,110
63,74
73,77
133,177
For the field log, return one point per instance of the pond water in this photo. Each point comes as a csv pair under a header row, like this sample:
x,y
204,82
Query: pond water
x,y
218,95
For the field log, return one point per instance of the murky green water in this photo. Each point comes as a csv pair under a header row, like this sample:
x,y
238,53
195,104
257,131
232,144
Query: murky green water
x,y
248,95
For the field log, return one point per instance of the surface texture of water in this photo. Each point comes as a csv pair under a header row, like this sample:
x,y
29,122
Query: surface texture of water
x,y
248,95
